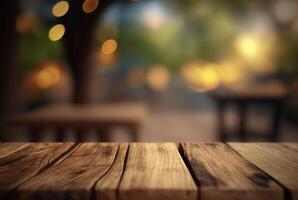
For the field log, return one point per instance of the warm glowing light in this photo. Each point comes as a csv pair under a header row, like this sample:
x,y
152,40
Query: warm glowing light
x,y
90,5
60,8
158,77
56,32
48,76
231,71
106,61
258,51
109,47
248,47
25,22
153,16
201,76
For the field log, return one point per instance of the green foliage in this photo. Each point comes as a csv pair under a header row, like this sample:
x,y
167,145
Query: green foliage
x,y
35,48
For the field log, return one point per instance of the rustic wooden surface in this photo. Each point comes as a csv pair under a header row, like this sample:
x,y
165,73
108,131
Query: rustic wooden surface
x,y
280,161
221,172
148,171
16,167
156,171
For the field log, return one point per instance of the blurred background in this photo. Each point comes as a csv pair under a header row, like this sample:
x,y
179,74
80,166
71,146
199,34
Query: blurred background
x,y
198,69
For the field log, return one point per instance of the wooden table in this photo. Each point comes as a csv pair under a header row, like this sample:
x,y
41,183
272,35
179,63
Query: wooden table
x,y
149,171
272,95
81,118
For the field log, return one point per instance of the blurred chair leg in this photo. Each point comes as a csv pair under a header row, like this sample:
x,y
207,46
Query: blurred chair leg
x,y
242,121
35,134
277,111
221,121
104,134
60,134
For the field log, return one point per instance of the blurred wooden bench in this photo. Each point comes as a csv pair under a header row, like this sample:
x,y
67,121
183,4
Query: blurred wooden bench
x,y
82,118
273,95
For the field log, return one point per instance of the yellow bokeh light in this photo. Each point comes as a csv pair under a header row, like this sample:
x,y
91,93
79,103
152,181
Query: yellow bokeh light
x,y
56,32
109,47
248,47
90,5
201,76
258,51
158,77
60,8
48,76
232,71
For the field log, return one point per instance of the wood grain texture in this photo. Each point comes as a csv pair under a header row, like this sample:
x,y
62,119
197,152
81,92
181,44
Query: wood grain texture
x,y
222,174
156,171
106,187
9,148
27,161
278,160
73,177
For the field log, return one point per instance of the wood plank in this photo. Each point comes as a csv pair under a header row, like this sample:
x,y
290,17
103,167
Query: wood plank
x,y
28,161
9,148
75,176
107,186
278,160
156,171
223,174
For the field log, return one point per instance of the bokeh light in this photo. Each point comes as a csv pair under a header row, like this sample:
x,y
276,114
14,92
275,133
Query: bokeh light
x,y
285,10
153,16
158,77
201,76
48,76
89,5
60,8
56,32
26,22
232,71
258,51
248,47
109,47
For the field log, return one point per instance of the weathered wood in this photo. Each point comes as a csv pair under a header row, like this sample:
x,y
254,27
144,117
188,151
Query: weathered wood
x,y
278,160
156,171
27,161
107,186
223,174
10,148
73,177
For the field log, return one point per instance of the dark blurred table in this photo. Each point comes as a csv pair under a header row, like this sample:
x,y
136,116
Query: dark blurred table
x,y
99,117
272,95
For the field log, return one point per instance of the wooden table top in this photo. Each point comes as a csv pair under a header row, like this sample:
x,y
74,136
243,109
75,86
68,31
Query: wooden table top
x,y
149,171
80,115
265,92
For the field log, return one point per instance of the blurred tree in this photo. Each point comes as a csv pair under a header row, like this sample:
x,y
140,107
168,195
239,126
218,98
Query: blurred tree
x,y
80,28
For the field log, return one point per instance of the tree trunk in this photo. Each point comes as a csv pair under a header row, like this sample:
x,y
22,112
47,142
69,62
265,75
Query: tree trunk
x,y
79,34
